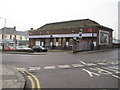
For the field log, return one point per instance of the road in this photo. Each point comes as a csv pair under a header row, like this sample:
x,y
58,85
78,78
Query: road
x,y
68,70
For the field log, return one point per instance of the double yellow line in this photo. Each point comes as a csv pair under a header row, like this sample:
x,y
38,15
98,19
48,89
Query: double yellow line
x,y
31,77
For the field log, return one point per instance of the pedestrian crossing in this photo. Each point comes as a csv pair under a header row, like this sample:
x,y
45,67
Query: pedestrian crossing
x,y
77,65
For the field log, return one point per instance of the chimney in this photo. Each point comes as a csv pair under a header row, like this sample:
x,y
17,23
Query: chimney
x,y
14,27
31,28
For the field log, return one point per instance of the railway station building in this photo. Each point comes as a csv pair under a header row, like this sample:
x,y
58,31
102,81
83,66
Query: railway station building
x,y
76,35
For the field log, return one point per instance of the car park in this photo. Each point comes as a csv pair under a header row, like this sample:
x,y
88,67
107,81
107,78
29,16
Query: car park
x,y
39,48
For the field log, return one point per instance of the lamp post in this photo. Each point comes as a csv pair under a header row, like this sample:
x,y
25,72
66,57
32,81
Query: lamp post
x,y
4,28
4,21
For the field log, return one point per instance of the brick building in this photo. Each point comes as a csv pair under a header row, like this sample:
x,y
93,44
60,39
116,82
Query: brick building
x,y
76,34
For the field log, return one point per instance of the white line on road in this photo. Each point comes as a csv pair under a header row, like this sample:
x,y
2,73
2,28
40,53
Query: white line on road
x,y
20,69
77,65
116,76
91,64
101,71
102,63
91,73
114,62
115,67
117,72
88,64
83,62
63,66
34,68
49,67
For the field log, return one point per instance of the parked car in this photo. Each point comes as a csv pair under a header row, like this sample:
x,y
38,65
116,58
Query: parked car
x,y
23,48
9,48
39,48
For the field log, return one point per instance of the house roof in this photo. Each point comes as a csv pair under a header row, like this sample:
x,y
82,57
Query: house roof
x,y
8,30
69,24
23,33
12,31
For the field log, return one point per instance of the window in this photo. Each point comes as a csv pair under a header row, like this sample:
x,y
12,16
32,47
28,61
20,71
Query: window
x,y
10,36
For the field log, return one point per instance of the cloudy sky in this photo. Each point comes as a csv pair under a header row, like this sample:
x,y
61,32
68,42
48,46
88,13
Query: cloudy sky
x,y
26,14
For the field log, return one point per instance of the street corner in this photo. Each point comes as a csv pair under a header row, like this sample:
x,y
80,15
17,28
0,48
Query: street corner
x,y
11,78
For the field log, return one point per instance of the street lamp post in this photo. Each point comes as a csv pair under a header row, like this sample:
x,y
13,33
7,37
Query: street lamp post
x,y
4,21
4,28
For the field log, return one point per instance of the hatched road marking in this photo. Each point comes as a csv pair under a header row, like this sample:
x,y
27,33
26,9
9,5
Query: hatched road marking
x,y
110,69
102,63
83,62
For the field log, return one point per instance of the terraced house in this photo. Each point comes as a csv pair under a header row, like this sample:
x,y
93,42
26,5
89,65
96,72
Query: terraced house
x,y
10,37
75,35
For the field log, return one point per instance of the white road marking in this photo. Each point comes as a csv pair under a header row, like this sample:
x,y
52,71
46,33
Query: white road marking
x,y
117,72
116,76
83,62
101,71
114,67
77,65
91,73
116,62
102,63
49,67
91,64
20,69
88,64
64,66
34,68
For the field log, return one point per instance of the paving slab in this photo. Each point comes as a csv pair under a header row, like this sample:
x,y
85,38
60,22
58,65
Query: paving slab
x,y
12,78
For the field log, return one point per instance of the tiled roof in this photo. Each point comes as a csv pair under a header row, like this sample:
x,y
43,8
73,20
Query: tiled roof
x,y
7,30
12,31
23,33
69,24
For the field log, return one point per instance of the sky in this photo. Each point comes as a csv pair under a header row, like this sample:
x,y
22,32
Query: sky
x,y
26,14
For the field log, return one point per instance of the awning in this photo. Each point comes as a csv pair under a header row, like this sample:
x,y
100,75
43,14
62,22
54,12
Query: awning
x,y
64,35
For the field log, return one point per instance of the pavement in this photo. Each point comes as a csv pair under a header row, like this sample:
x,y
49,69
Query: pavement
x,y
11,78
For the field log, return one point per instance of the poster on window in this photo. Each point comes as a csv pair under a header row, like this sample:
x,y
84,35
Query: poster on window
x,y
103,37
37,42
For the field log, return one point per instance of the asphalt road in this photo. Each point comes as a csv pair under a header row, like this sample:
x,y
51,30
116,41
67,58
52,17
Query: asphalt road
x,y
68,70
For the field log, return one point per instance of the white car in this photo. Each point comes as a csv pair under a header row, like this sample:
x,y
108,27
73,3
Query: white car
x,y
23,48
